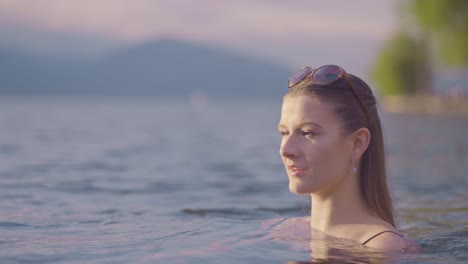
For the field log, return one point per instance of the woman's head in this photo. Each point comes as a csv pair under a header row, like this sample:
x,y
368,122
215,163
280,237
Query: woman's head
x,y
330,124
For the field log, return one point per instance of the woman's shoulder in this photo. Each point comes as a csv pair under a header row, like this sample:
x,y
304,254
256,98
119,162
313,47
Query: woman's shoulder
x,y
392,241
374,236
295,228
387,241
295,223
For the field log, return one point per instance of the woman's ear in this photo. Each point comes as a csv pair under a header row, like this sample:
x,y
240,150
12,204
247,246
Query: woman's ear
x,y
361,140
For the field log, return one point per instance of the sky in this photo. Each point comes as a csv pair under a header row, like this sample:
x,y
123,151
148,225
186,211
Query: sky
x,y
289,32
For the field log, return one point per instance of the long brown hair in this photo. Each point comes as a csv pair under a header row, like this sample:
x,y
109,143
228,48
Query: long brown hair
x,y
372,174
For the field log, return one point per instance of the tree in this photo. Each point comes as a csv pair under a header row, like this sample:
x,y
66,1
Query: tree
x,y
446,21
402,66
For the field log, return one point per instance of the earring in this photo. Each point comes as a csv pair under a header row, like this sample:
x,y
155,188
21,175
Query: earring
x,y
353,169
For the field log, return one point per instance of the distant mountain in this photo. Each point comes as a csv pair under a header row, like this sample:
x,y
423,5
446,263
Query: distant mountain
x,y
160,68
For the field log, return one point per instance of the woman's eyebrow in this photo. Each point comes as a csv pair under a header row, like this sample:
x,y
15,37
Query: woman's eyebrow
x,y
302,125
309,123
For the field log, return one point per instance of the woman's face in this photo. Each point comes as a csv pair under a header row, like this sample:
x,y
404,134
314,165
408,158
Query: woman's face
x,y
314,148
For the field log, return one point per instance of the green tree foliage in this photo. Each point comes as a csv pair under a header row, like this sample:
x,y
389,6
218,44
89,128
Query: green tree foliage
x,y
401,66
447,22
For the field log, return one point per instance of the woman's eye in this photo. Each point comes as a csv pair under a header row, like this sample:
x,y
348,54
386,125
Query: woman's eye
x,y
284,133
309,133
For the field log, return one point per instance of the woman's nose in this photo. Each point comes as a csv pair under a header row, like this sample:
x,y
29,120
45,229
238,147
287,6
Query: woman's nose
x,y
288,148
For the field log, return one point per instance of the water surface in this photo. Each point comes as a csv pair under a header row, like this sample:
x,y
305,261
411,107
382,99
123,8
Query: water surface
x,y
151,180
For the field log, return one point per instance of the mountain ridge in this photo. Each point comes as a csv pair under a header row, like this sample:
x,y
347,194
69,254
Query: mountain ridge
x,y
157,68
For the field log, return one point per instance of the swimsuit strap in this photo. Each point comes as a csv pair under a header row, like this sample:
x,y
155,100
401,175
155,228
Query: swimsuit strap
x,y
378,234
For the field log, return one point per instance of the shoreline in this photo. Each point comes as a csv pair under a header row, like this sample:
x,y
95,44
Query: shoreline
x,y
426,104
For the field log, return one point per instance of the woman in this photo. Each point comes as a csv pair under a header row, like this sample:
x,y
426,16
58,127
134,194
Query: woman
x,y
332,149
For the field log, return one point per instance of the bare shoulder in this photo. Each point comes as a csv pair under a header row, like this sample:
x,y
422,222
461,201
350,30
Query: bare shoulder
x,y
412,246
292,228
296,223
393,242
387,242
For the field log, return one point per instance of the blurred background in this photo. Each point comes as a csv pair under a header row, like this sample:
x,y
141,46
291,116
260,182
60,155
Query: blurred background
x,y
177,48
147,130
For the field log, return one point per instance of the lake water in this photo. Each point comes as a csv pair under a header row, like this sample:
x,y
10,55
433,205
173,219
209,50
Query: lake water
x,y
163,181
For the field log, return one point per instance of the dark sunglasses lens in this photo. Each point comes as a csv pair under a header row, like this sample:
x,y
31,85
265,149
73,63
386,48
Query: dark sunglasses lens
x,y
298,76
327,74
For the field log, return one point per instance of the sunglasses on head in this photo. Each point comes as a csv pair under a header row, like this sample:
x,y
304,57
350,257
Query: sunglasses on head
x,y
322,76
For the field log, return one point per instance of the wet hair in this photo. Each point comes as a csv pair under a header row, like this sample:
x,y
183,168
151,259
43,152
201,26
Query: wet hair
x,y
372,174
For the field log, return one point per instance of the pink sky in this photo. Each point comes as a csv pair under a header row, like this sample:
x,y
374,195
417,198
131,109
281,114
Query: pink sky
x,y
291,32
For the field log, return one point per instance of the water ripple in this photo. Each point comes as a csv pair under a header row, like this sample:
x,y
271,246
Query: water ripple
x,y
12,224
243,213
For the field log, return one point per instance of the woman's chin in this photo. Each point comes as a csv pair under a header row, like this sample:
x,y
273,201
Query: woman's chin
x,y
297,189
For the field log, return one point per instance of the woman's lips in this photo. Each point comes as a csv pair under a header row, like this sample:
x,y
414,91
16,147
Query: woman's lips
x,y
296,171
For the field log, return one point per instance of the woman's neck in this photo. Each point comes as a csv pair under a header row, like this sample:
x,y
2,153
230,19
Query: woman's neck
x,y
342,205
